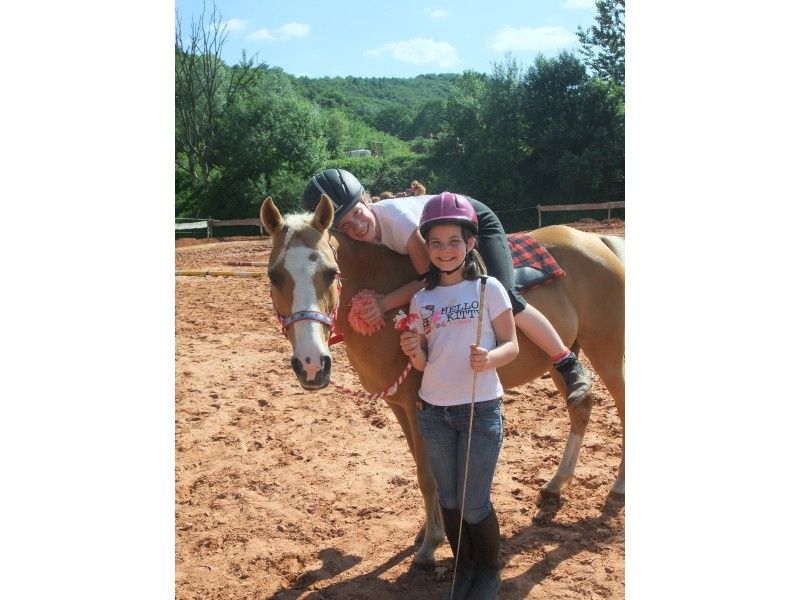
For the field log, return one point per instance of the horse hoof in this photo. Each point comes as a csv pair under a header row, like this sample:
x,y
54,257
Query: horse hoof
x,y
616,497
553,488
548,496
422,566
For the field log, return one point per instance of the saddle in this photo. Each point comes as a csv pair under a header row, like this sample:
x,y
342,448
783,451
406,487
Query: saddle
x,y
533,264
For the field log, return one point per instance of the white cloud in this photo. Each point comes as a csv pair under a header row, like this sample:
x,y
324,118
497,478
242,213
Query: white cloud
x,y
531,38
284,32
419,52
229,25
260,34
438,13
234,24
579,3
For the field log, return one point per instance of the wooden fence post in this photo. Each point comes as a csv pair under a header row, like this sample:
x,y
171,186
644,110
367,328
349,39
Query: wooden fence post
x,y
595,206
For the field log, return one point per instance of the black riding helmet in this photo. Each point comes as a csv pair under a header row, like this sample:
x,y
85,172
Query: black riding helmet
x,y
339,185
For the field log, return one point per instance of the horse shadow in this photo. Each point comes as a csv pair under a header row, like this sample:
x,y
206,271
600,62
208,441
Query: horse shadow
x,y
417,583
412,583
590,533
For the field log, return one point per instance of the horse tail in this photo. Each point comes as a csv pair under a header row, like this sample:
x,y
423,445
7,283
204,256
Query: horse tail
x,y
616,245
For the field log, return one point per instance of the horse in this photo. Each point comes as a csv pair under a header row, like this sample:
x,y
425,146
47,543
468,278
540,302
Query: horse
x,y
313,270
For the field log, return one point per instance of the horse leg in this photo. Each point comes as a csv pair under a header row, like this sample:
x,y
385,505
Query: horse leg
x,y
434,525
608,361
578,421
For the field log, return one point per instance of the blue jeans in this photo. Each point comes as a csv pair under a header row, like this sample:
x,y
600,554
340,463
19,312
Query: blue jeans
x,y
444,431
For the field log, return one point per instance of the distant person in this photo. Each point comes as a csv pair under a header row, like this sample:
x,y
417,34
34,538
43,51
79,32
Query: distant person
x,y
417,189
393,223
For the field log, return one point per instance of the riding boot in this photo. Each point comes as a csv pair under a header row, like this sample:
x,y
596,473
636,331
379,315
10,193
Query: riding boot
x,y
485,537
465,568
575,377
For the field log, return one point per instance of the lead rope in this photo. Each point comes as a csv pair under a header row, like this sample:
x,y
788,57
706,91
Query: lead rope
x,y
389,391
469,436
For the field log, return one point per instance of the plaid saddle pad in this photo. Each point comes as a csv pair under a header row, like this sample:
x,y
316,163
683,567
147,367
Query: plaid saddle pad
x,y
541,268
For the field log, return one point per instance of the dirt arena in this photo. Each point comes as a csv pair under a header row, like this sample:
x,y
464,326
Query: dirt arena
x,y
287,494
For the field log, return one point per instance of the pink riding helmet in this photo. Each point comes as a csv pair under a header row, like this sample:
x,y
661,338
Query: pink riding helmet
x,y
448,208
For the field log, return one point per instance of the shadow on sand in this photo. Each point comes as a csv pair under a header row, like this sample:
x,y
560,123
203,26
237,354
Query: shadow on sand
x,y
570,538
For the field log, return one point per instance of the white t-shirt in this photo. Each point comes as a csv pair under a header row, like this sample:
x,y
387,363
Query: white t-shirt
x,y
398,218
449,320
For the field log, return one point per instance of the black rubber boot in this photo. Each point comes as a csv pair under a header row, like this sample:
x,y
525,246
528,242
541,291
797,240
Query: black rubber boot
x,y
485,537
575,376
465,570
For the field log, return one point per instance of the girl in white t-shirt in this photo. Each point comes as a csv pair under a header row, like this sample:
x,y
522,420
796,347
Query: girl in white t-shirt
x,y
444,349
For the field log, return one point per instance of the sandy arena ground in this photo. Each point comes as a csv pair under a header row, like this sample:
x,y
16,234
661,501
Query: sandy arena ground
x,y
288,494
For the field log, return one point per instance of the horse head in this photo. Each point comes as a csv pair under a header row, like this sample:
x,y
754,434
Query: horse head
x,y
304,286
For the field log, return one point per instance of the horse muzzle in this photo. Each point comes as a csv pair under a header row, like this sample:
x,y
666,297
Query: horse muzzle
x,y
312,377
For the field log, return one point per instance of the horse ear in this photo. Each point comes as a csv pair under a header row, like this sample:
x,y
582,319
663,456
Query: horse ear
x,y
271,216
323,215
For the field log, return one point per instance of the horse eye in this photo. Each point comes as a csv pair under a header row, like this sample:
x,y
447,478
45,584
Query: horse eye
x,y
329,275
275,277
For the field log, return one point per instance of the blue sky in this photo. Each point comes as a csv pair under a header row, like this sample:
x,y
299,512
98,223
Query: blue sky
x,y
404,38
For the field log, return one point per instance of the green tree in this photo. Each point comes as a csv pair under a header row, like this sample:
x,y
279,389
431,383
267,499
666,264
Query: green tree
x,y
335,127
603,44
429,120
394,119
269,135
517,139
504,144
575,132
457,150
204,87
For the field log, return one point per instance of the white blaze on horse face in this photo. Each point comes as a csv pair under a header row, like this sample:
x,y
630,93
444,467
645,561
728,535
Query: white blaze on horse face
x,y
310,336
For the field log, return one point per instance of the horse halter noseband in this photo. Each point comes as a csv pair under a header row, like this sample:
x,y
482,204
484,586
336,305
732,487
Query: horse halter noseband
x,y
287,321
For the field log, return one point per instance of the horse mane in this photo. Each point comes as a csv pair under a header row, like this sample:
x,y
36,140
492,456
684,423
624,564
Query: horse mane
x,y
371,266
376,358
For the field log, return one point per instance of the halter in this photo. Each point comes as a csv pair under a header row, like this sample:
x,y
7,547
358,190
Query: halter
x,y
328,320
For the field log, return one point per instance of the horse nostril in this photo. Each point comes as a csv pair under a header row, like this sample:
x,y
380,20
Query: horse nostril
x,y
326,364
297,367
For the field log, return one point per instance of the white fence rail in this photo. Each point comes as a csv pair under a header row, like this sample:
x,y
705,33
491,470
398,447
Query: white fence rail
x,y
209,224
596,206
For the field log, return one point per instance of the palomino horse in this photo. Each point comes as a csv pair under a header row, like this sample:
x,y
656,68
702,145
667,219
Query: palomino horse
x,y
586,307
